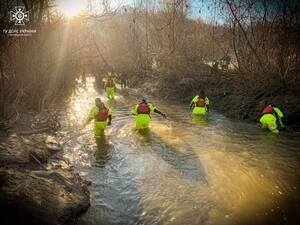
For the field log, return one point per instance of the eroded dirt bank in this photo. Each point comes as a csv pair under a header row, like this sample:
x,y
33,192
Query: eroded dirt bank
x,y
229,93
36,185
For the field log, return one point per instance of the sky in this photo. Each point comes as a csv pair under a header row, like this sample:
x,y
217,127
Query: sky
x,y
202,9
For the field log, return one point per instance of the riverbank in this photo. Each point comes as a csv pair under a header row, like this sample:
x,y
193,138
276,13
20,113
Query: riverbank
x,y
37,186
229,93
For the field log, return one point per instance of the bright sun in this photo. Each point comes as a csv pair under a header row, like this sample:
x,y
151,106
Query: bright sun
x,y
70,7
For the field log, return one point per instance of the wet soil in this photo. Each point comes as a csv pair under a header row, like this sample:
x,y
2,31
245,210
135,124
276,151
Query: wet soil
x,y
36,185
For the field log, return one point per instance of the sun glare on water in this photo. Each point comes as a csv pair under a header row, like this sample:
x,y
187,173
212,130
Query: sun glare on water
x,y
70,7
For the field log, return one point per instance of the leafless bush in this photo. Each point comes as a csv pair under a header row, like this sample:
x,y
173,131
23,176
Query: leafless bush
x,y
149,41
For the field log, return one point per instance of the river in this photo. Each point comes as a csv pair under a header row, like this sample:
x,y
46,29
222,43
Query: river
x,y
183,170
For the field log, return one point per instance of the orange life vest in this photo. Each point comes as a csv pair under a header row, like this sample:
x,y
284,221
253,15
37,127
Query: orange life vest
x,y
268,109
110,83
102,115
143,108
200,102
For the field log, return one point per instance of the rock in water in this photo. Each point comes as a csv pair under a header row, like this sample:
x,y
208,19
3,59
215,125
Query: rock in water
x,y
52,144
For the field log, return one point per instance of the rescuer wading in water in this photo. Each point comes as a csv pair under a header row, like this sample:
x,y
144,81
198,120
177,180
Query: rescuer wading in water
x,y
110,87
271,118
142,112
101,116
200,104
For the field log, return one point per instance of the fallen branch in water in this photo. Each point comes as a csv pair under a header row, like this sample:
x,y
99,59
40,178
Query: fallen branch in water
x,y
38,161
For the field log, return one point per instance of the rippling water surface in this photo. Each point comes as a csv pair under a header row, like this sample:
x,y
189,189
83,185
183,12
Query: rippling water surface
x,y
183,170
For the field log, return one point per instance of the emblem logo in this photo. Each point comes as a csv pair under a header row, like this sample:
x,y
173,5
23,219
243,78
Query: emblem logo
x,y
19,15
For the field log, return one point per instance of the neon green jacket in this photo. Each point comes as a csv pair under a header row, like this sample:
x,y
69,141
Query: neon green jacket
x,y
269,120
199,110
93,112
280,115
142,120
134,109
196,98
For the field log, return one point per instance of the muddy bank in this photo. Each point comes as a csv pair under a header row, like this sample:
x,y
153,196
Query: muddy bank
x,y
229,93
37,186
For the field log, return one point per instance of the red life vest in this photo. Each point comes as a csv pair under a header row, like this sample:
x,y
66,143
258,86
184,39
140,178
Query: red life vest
x,y
200,102
102,115
110,83
268,109
143,108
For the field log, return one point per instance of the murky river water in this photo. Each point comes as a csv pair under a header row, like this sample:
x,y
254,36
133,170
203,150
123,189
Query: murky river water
x,y
182,171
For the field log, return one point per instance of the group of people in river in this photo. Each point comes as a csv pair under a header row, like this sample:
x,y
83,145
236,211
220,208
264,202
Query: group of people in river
x,y
270,119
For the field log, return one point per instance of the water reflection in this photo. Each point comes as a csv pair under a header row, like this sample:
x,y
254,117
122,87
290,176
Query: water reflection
x,y
144,135
111,103
200,120
103,151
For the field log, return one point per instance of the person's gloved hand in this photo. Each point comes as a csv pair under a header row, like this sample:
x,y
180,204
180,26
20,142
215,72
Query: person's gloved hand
x,y
164,115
